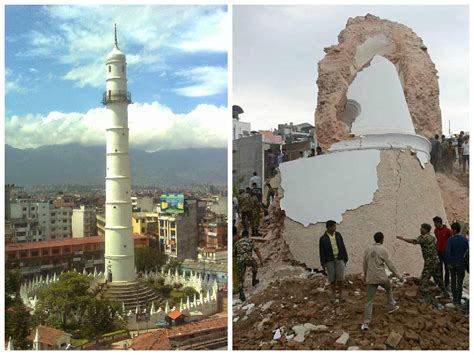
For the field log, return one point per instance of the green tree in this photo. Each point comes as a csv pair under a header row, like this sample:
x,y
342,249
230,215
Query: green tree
x,y
173,265
189,291
147,258
63,304
102,316
68,305
18,322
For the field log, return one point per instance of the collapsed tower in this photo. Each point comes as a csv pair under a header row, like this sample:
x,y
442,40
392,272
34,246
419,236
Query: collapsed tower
x,y
376,175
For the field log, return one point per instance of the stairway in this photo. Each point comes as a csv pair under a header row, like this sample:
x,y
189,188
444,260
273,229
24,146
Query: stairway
x,y
129,293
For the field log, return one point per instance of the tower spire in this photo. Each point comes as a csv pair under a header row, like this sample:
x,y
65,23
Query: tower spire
x,y
116,45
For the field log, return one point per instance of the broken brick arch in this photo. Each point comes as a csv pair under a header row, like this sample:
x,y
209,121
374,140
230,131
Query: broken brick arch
x,y
363,38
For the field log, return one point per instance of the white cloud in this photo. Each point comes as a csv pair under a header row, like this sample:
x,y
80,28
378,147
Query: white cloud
x,y
152,127
87,75
78,35
15,83
206,81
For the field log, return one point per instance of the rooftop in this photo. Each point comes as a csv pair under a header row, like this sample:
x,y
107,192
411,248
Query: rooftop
x,y
61,243
160,339
47,335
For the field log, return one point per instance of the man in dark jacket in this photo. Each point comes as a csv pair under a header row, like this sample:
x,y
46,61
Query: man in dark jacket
x,y
456,250
333,257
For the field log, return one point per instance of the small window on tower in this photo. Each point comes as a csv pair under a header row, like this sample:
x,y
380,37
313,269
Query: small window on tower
x,y
123,68
110,68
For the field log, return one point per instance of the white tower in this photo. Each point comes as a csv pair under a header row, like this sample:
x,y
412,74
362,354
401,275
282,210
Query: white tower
x,y
119,247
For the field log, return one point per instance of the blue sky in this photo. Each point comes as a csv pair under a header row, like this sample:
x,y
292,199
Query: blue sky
x,y
55,73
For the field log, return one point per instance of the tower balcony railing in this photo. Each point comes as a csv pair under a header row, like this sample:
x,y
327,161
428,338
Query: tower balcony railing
x,y
114,96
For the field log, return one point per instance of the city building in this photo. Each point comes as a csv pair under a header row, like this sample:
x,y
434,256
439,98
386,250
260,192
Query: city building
x,y
33,221
145,222
61,255
213,231
178,232
100,223
142,204
248,155
212,270
296,133
83,222
239,129
64,201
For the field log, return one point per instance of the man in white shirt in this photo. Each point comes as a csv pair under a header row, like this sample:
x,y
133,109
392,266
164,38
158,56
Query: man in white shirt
x,y
256,179
465,153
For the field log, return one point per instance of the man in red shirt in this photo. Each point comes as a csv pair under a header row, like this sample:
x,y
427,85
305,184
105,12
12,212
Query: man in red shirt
x,y
442,234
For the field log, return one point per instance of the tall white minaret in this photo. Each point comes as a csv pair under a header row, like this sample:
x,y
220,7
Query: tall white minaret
x,y
119,253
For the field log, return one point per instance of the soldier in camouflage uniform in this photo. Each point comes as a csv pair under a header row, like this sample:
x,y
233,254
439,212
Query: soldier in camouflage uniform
x,y
256,202
431,267
243,249
246,204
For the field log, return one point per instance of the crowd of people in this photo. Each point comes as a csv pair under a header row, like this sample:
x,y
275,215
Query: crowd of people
x,y
445,253
248,207
446,151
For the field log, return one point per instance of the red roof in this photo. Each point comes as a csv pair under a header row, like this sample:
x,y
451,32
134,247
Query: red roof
x,y
270,138
198,326
61,243
47,335
160,339
174,314
156,340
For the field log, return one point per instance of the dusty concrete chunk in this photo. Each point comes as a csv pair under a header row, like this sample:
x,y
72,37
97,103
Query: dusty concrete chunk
x,y
393,340
299,338
310,327
266,305
277,334
299,329
343,338
353,348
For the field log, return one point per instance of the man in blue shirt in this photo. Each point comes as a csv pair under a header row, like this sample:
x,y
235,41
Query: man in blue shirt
x,y
456,250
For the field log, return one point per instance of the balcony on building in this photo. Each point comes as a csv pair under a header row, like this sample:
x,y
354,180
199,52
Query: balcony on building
x,y
116,96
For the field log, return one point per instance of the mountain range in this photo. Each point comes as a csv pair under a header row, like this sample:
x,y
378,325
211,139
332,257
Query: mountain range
x,y
74,164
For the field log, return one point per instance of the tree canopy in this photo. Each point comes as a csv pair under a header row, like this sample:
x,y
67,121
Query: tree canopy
x,y
18,322
68,305
149,258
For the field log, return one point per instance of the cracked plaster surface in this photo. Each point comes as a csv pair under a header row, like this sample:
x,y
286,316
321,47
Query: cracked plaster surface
x,y
345,180
407,196
362,39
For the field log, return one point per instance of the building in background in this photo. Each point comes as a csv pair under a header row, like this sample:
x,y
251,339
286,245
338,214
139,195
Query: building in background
x,y
145,222
83,222
33,221
239,129
142,204
100,220
61,255
178,232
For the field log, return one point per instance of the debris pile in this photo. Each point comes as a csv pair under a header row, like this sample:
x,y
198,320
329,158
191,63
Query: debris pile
x,y
297,314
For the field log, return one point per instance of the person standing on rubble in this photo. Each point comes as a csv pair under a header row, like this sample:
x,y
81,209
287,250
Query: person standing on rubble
x,y
456,250
376,257
431,262
245,207
442,234
255,214
243,251
333,258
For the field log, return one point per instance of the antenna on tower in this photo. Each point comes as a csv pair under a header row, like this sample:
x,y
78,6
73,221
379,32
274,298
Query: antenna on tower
x,y
116,45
